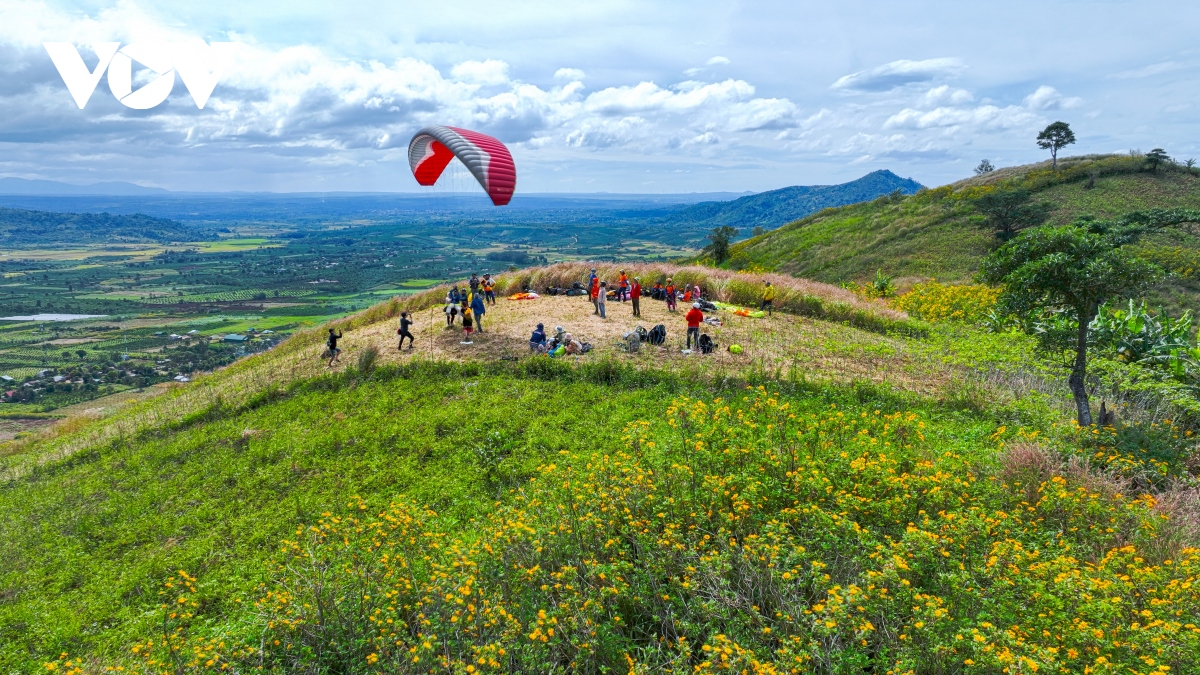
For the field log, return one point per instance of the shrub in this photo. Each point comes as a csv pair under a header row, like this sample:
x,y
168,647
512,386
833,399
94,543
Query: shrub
x,y
367,358
941,302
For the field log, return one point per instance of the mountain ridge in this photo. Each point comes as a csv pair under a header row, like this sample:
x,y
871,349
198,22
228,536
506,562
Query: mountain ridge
x,y
775,207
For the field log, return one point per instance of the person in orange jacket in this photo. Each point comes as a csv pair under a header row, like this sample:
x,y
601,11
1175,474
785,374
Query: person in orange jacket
x,y
635,294
694,318
670,296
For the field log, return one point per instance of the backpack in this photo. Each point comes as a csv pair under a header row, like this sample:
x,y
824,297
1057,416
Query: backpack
x,y
657,335
707,345
707,306
585,347
641,333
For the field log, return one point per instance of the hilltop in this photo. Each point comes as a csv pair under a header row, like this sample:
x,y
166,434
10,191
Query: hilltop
x,y
475,508
939,234
768,209
22,228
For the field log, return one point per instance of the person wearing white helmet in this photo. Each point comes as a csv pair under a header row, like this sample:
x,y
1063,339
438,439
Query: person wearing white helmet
x,y
694,318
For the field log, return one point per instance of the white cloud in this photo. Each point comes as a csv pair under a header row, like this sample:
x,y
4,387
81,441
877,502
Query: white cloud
x,y
1048,98
481,72
899,73
985,117
569,74
683,97
946,95
717,61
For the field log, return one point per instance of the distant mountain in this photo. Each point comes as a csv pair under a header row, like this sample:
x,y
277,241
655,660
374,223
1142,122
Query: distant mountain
x,y
21,228
773,209
22,186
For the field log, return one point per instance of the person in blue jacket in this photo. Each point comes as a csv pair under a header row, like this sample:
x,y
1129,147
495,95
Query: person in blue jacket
x,y
537,341
454,297
478,309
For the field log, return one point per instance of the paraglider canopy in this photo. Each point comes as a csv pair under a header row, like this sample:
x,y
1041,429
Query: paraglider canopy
x,y
485,157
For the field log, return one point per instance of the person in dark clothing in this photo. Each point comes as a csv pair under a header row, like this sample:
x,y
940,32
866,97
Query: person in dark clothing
x,y
635,294
474,284
405,324
331,343
454,297
537,341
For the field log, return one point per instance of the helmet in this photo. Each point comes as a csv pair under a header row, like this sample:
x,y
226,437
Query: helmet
x,y
695,305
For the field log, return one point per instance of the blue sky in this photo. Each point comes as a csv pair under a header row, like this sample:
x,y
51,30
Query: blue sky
x,y
605,96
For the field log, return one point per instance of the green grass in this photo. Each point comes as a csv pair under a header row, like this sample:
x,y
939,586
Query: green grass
x,y
216,493
736,511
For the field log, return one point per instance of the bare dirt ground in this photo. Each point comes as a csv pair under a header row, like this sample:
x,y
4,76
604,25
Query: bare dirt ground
x,y
778,344
9,428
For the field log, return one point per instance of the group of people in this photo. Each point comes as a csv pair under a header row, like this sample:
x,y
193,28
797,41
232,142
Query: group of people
x,y
540,343
469,304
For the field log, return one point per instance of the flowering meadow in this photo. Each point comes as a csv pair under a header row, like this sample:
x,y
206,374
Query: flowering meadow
x,y
933,301
758,533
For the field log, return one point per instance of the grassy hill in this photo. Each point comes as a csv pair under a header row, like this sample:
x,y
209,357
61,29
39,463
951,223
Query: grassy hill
x,y
854,492
768,209
21,228
938,233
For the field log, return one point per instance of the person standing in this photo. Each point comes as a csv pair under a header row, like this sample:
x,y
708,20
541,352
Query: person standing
x,y
594,290
478,310
474,283
466,323
405,324
768,298
601,299
451,313
331,343
489,288
694,318
670,295
622,287
635,294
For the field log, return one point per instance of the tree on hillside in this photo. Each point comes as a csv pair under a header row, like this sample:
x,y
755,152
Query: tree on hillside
x,y
721,237
1076,268
1190,164
1010,211
1054,137
984,167
1155,157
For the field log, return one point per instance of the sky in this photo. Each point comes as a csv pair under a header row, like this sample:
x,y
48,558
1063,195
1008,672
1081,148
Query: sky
x,y
611,96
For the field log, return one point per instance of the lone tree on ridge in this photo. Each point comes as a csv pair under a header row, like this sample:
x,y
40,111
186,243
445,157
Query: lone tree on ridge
x,y
1055,137
721,237
1155,157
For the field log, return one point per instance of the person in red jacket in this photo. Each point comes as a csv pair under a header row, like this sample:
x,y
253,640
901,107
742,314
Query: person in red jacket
x,y
694,318
595,292
635,294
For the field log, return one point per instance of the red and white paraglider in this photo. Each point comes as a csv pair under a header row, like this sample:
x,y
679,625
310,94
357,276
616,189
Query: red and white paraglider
x,y
485,157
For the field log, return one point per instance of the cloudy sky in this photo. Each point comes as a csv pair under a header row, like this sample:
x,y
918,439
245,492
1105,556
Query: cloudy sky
x,y
617,95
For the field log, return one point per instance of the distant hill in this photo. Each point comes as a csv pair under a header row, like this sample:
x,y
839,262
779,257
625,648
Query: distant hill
x,y
939,234
22,186
776,207
21,228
